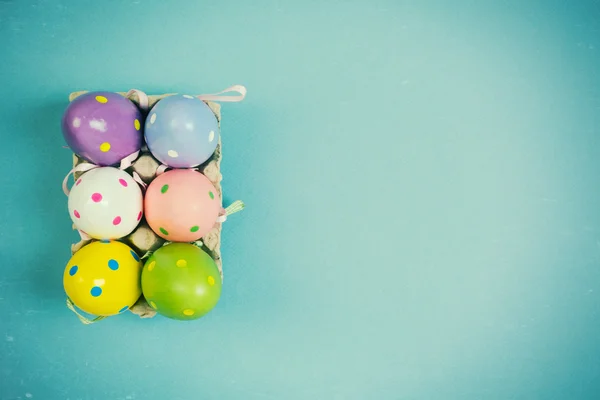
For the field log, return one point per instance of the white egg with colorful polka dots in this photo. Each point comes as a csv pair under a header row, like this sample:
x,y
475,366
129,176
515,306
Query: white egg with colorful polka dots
x,y
106,203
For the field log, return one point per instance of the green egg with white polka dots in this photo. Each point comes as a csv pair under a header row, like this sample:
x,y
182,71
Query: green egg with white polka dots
x,y
181,281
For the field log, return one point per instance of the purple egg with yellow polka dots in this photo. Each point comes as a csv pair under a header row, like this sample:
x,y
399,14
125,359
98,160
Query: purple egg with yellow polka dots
x,y
102,127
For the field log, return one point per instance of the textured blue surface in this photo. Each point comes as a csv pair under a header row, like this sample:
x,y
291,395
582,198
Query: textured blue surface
x,y
443,243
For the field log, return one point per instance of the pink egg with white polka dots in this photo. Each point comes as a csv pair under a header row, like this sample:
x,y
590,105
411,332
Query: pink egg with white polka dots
x,y
182,205
106,203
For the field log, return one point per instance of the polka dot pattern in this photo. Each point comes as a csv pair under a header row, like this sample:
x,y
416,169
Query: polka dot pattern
x,y
73,270
211,281
135,256
104,241
113,264
78,182
179,137
211,195
97,117
181,263
104,194
123,309
211,136
164,231
189,312
153,305
139,216
185,209
76,214
153,118
107,281
136,124
104,147
151,265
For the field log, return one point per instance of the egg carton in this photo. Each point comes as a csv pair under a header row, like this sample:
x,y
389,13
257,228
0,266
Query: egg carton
x,y
143,239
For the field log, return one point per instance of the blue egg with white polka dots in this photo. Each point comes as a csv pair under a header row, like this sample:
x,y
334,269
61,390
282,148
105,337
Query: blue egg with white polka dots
x,y
181,131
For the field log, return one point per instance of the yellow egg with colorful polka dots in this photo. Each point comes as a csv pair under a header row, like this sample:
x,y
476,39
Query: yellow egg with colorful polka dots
x,y
103,278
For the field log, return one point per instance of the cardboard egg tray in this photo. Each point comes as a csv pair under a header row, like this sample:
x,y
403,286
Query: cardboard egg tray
x,y
143,239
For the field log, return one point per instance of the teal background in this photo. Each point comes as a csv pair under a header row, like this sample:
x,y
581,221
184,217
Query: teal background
x,y
423,215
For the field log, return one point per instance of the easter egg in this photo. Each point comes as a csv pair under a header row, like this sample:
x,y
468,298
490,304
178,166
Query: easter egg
x,y
103,278
106,203
181,131
181,205
181,281
102,127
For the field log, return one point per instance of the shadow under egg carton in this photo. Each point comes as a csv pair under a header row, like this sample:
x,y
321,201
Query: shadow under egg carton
x,y
143,239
